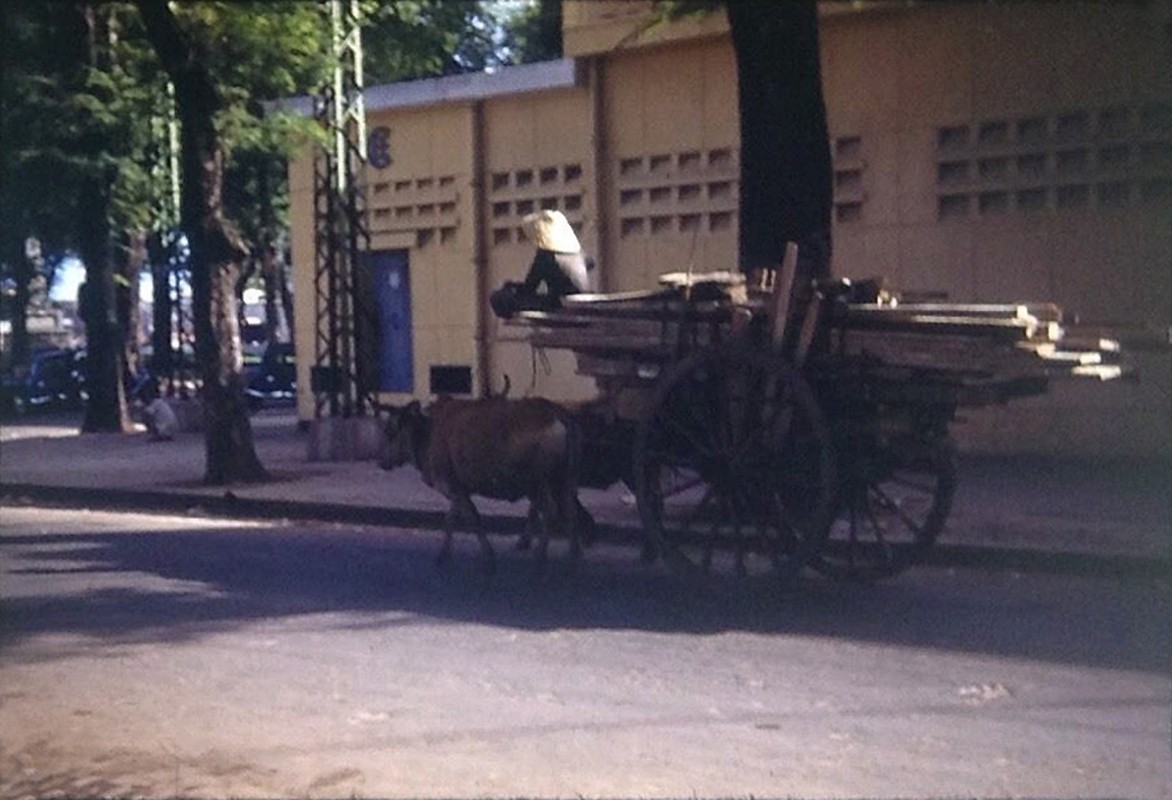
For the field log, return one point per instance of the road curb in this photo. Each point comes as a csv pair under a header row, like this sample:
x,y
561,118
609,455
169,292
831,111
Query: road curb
x,y
230,505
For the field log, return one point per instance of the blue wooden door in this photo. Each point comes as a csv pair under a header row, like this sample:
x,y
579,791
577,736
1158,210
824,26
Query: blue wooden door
x,y
392,292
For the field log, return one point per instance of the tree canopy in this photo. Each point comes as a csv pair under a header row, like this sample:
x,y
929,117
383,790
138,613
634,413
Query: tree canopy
x,y
85,107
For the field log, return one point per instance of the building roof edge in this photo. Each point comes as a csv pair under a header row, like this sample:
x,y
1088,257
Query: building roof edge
x,y
520,79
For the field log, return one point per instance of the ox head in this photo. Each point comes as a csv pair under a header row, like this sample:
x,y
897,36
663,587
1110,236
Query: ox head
x,y
405,430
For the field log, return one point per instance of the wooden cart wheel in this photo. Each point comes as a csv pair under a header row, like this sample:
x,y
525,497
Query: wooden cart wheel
x,y
733,467
891,511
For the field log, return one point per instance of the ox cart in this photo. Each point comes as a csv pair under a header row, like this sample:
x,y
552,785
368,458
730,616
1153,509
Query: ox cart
x,y
766,427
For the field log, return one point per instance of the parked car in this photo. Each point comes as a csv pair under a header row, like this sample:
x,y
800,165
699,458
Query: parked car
x,y
53,379
273,382
254,341
178,376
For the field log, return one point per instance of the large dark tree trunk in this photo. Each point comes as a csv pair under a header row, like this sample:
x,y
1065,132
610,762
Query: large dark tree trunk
x,y
243,276
13,207
216,254
105,408
131,260
786,173
20,338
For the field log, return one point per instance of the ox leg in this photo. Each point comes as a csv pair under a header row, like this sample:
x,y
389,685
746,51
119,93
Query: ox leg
x,y
541,510
464,511
543,516
450,520
570,516
575,521
486,551
525,540
575,547
584,525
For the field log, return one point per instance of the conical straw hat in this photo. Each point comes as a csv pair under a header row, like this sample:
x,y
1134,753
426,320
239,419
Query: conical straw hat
x,y
550,230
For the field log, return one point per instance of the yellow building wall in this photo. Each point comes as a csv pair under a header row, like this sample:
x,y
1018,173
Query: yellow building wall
x,y
424,200
537,155
987,152
671,164
895,83
1015,152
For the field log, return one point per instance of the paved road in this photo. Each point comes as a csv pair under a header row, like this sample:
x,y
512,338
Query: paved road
x,y
180,656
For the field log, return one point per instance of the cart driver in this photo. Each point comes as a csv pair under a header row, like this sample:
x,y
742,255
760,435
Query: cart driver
x,y
559,262
558,265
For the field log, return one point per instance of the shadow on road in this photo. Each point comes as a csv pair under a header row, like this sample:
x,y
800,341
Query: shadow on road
x,y
175,585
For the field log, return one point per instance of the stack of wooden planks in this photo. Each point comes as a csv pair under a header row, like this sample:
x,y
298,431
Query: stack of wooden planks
x,y
645,323
631,335
992,340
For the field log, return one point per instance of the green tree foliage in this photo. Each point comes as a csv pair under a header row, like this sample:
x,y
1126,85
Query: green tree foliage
x,y
84,94
268,56
65,111
222,61
33,96
74,102
36,199
410,39
533,31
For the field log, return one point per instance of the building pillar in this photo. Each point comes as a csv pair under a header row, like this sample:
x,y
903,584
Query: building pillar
x,y
599,239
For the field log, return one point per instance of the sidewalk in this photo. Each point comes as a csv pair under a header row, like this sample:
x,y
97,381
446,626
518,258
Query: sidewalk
x,y
1018,513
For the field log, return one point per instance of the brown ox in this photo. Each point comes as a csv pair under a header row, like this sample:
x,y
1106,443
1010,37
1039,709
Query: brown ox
x,y
493,447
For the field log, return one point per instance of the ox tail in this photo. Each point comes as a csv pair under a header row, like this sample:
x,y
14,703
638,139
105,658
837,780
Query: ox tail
x,y
504,392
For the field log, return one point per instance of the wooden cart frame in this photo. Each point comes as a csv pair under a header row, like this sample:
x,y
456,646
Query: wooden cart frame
x,y
772,428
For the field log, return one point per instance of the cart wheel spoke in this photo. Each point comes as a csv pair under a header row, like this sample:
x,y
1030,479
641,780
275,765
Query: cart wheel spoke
x,y
697,514
885,555
896,508
892,514
708,543
850,556
738,543
924,488
697,444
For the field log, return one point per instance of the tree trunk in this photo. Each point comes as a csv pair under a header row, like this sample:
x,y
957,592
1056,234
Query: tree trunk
x,y
244,275
105,408
786,173
216,254
131,263
21,349
285,282
271,275
216,257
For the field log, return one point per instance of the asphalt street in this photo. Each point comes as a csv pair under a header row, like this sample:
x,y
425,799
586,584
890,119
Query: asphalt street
x,y
155,656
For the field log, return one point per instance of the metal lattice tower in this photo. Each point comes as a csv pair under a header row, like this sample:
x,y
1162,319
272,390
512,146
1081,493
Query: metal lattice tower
x,y
179,371
341,234
164,166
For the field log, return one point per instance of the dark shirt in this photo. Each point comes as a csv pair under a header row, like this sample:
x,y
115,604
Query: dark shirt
x,y
562,274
